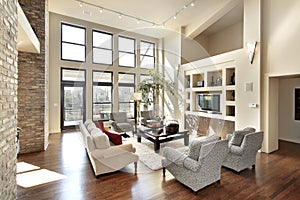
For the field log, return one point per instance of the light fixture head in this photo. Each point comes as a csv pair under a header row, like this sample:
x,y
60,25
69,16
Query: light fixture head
x,y
101,10
120,16
80,4
175,17
193,4
136,96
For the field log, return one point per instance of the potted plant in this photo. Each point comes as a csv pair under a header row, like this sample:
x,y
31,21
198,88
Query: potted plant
x,y
153,85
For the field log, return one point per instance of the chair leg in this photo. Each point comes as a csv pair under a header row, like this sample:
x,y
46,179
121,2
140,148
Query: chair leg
x,y
164,171
135,167
219,181
253,166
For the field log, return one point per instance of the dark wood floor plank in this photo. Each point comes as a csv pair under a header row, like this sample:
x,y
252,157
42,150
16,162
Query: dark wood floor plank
x,y
276,176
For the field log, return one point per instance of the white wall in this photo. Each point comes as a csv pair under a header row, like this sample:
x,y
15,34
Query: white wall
x,y
289,128
228,39
280,57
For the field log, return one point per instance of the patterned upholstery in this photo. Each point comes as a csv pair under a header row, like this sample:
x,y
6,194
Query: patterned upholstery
x,y
200,172
244,156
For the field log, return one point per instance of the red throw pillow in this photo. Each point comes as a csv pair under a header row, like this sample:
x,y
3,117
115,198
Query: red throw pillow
x,y
113,137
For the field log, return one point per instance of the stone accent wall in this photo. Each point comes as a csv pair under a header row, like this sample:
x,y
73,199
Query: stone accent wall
x,y
204,125
33,83
8,97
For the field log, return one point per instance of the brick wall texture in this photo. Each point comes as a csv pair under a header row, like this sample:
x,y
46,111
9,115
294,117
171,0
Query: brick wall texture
x,y
8,98
33,82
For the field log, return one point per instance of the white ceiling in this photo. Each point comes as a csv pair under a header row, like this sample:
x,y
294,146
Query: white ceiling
x,y
156,11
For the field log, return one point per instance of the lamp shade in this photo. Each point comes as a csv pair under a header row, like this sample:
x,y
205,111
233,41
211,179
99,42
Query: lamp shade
x,y
136,96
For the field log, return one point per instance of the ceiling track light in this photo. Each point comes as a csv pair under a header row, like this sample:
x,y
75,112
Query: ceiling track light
x,y
138,20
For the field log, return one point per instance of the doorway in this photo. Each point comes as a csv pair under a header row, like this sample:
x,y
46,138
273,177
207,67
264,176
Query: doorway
x,y
72,98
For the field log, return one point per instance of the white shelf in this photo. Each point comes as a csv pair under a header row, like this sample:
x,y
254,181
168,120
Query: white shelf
x,y
230,87
230,103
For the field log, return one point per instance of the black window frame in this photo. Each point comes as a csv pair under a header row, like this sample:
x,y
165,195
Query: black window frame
x,y
120,84
126,52
102,84
61,41
95,47
143,55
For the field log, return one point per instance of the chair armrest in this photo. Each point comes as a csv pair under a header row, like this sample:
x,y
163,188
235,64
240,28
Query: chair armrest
x,y
126,147
174,156
228,136
192,164
108,153
111,122
236,150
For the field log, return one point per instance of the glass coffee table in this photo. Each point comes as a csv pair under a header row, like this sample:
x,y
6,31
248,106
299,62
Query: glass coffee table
x,y
158,135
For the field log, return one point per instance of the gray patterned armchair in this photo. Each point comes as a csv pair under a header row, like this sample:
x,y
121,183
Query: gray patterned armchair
x,y
200,166
243,148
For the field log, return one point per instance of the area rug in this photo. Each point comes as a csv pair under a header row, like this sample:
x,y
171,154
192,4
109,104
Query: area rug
x,y
147,156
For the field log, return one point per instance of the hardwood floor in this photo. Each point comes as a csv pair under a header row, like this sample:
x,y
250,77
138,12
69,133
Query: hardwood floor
x,y
276,176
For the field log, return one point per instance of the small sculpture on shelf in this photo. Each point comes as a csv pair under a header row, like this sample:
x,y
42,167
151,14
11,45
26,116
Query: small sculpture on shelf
x,y
219,81
232,79
212,83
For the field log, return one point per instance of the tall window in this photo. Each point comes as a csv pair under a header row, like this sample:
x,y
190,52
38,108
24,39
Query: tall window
x,y
147,55
102,95
102,48
73,43
126,88
126,52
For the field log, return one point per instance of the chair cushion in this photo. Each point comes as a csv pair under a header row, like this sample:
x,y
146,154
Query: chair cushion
x,y
115,138
87,122
195,146
101,140
237,137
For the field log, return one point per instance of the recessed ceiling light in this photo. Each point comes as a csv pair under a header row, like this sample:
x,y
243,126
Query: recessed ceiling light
x,y
80,4
120,16
192,4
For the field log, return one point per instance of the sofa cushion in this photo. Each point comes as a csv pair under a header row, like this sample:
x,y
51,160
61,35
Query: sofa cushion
x,y
101,140
249,129
237,138
90,127
87,122
195,146
115,138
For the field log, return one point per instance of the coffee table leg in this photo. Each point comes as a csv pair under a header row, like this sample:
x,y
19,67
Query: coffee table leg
x,y
186,139
157,146
139,138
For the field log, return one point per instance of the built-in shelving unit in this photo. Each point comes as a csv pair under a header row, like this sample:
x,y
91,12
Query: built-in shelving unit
x,y
211,80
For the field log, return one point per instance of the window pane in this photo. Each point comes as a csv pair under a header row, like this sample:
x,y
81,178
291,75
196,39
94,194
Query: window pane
x,y
102,111
147,48
73,52
73,34
103,40
102,94
102,56
105,77
125,93
126,44
126,59
126,78
143,77
127,107
147,62
73,75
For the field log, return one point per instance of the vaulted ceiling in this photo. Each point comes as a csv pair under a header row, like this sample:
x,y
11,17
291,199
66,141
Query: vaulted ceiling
x,y
195,18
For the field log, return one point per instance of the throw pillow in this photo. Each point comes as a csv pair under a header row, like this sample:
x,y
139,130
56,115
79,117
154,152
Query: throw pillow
x,y
237,138
195,146
249,129
115,138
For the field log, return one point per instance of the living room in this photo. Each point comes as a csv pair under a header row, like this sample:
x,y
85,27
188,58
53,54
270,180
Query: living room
x,y
265,81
